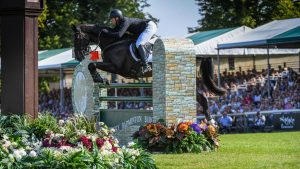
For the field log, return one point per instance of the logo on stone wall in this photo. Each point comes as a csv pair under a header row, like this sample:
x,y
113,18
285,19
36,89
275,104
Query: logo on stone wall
x,y
136,120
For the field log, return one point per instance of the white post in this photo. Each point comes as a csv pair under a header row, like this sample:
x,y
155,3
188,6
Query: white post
x,y
268,72
219,75
61,87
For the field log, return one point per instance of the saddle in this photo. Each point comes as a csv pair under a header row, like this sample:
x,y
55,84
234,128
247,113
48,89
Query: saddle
x,y
148,47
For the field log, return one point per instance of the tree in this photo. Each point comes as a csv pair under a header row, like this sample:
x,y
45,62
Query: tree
x,y
232,13
58,16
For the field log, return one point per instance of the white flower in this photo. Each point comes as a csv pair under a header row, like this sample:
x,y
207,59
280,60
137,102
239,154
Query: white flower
x,y
136,153
32,154
61,122
59,135
81,132
106,152
17,155
22,152
5,137
112,130
101,123
93,138
48,132
5,160
116,160
130,144
107,145
66,148
6,144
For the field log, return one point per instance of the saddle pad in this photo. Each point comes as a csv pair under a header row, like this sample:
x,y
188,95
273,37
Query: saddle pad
x,y
135,55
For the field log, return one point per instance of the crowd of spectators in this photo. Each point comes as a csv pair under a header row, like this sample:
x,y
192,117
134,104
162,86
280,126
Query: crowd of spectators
x,y
50,102
249,92
129,93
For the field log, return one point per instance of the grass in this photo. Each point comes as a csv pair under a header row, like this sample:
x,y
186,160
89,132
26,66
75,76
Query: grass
x,y
259,150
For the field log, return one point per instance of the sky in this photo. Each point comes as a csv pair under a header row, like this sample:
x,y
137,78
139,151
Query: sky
x,y
174,15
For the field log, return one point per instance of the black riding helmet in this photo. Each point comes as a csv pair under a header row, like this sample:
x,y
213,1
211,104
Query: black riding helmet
x,y
116,13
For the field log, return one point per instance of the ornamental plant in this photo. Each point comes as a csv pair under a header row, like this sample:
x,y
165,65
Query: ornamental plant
x,y
184,137
74,143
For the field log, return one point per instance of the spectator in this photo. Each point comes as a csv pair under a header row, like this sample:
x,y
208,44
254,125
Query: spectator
x,y
259,121
225,123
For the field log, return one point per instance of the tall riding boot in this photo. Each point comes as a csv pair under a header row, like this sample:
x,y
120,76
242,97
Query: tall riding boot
x,y
142,53
95,75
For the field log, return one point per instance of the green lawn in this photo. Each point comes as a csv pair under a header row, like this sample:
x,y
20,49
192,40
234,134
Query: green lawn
x,y
260,150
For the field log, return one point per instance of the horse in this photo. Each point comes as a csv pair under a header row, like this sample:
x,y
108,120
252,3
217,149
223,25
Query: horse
x,y
117,59
116,54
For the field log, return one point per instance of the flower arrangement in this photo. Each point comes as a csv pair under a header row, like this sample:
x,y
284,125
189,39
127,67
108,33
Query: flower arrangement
x,y
184,137
74,143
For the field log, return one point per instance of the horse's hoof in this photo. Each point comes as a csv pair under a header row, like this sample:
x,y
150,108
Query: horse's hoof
x,y
98,80
106,82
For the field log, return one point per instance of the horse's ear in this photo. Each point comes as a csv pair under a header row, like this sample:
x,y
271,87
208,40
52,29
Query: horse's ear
x,y
74,28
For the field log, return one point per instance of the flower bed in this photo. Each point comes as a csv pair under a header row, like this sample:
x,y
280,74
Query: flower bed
x,y
182,138
75,143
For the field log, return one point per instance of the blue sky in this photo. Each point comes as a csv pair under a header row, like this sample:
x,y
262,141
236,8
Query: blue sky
x,y
175,16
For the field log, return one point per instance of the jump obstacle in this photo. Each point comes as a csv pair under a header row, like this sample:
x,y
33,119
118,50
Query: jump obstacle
x,y
173,88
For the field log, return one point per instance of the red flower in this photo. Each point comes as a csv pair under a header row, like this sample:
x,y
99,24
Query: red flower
x,y
99,142
115,149
46,143
86,142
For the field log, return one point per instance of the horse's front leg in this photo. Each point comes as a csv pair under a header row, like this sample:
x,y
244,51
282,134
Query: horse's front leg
x,y
95,75
104,66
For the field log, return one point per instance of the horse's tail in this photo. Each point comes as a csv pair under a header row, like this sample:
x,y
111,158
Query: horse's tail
x,y
206,69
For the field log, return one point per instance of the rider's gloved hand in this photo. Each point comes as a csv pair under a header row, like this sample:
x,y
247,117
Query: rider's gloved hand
x,y
105,31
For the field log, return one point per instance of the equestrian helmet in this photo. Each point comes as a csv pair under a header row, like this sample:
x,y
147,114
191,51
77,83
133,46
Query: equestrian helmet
x,y
115,13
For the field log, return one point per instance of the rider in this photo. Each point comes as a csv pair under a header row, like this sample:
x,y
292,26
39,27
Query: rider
x,y
142,28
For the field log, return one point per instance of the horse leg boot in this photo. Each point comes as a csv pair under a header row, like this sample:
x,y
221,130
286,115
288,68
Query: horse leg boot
x,y
202,100
95,75
144,64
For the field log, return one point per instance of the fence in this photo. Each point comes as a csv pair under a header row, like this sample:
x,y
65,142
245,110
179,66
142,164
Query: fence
x,y
277,120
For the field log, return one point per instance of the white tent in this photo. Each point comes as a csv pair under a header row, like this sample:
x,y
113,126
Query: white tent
x,y
54,58
206,42
257,38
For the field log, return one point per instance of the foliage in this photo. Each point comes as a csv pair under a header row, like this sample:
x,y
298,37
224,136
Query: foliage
x,y
45,122
227,13
74,143
44,85
58,16
275,150
183,138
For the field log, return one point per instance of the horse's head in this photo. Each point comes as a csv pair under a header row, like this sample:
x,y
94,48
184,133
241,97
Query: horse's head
x,y
81,43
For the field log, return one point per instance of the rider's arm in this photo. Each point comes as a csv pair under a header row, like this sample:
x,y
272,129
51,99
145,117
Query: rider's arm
x,y
123,28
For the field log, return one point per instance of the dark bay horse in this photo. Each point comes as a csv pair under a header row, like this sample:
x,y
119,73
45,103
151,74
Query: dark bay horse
x,y
117,59
116,54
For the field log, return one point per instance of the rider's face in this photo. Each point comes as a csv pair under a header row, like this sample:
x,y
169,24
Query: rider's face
x,y
114,21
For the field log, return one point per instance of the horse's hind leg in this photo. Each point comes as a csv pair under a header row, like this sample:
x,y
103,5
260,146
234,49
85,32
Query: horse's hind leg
x,y
202,100
107,67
